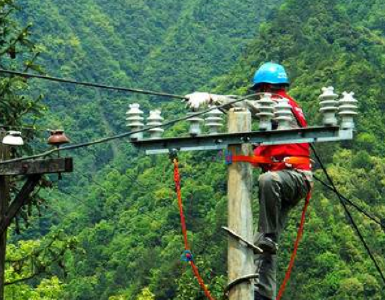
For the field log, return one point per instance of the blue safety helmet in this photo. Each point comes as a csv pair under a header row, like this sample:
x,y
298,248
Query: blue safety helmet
x,y
270,73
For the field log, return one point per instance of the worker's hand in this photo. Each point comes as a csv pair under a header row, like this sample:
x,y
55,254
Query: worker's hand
x,y
198,99
253,106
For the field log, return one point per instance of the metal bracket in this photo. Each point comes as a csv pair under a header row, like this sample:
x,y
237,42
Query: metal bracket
x,y
236,236
223,140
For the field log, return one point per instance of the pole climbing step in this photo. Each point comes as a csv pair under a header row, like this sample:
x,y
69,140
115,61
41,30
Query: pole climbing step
x,y
233,234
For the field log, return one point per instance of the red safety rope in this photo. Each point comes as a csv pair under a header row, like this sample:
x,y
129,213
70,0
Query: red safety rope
x,y
184,231
293,255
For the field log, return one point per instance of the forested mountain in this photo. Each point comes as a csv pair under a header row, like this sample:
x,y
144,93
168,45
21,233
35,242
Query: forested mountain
x,y
172,46
120,205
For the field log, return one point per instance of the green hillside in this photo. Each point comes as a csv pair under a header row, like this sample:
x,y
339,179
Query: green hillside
x,y
170,46
121,206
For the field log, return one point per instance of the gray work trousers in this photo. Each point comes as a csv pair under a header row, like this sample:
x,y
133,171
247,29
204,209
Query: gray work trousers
x,y
279,192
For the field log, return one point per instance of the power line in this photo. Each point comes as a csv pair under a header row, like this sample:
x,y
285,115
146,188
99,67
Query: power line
x,y
140,209
93,180
126,134
90,84
50,207
32,128
348,213
77,199
374,219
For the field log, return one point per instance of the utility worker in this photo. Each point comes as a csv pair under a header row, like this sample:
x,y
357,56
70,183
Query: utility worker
x,y
281,185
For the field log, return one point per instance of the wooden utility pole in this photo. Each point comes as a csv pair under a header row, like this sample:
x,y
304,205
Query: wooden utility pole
x,y
33,170
4,202
239,184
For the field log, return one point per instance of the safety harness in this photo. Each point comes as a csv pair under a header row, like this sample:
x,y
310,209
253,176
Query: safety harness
x,y
275,164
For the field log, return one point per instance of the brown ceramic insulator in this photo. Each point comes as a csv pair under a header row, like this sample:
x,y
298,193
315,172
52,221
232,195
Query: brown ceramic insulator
x,y
58,138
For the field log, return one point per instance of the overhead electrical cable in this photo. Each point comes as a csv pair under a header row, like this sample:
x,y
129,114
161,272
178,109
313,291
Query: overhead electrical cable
x,y
90,84
125,134
33,128
59,213
361,210
78,199
93,180
348,213
342,199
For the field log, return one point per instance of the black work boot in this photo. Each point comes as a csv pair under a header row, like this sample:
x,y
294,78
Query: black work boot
x,y
258,296
268,245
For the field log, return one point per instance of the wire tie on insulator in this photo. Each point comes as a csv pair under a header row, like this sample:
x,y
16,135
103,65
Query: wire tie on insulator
x,y
187,256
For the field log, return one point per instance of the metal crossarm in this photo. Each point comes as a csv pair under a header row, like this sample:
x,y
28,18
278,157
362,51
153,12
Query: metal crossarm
x,y
221,141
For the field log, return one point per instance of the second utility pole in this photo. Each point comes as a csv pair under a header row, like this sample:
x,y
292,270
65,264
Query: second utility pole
x,y
240,221
4,202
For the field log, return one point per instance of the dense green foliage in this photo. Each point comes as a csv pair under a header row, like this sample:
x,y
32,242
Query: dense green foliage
x,y
17,52
28,260
121,206
128,43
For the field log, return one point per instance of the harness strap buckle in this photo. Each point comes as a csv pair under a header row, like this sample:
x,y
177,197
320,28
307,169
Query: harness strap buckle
x,y
287,164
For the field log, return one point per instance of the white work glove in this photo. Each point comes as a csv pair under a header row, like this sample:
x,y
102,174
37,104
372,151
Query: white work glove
x,y
198,99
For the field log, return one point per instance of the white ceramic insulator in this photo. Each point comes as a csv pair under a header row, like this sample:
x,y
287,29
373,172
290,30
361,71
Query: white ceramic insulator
x,y
214,120
13,138
328,105
283,114
195,124
155,119
266,111
135,120
347,107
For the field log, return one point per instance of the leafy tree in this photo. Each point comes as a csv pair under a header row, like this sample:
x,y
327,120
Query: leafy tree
x,y
21,111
